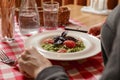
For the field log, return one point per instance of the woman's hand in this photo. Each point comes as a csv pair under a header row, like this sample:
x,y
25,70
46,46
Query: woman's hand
x,y
31,62
95,30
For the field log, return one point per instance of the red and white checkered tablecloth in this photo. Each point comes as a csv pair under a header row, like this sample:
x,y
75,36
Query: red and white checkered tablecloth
x,y
86,69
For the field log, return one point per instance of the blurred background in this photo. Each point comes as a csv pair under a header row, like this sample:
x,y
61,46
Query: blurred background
x,y
110,3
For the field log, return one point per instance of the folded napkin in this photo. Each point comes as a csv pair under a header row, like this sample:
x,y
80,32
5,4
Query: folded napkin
x,y
92,10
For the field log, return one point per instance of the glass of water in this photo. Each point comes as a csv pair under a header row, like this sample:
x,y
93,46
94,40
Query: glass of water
x,y
50,15
29,17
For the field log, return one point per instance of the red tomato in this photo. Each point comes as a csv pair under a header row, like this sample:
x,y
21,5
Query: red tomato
x,y
62,51
48,40
69,43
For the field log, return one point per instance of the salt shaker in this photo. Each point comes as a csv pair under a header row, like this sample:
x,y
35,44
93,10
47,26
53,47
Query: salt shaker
x,y
29,17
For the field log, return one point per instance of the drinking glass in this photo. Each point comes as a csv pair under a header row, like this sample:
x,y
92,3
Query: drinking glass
x,y
7,26
29,17
50,15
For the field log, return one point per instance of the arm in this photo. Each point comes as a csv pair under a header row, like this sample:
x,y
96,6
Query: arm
x,y
110,38
34,65
95,29
112,69
52,73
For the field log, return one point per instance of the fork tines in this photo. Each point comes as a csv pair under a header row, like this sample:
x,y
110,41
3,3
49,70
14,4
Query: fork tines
x,y
5,59
3,56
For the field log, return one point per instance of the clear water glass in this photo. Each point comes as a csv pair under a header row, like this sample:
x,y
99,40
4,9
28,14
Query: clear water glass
x,y
29,17
50,15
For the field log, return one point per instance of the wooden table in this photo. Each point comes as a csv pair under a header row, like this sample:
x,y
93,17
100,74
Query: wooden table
x,y
87,19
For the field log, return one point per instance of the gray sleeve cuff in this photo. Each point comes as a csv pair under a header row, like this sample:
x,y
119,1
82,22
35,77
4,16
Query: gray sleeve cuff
x,y
53,73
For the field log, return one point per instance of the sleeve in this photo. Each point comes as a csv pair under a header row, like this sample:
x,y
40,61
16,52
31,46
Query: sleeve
x,y
112,68
53,73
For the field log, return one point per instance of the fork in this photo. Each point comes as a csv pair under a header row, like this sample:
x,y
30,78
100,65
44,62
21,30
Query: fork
x,y
5,59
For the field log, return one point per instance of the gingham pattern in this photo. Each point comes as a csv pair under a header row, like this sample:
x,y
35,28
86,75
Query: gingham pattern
x,y
13,50
86,69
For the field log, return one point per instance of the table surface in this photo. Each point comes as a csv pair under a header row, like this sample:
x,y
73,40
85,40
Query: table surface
x,y
86,69
87,19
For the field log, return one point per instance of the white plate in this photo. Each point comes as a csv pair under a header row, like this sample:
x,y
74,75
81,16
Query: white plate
x,y
92,45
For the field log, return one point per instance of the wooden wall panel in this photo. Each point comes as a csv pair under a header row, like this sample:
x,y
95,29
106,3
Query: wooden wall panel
x,y
18,2
68,2
111,4
38,3
82,2
45,0
60,2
